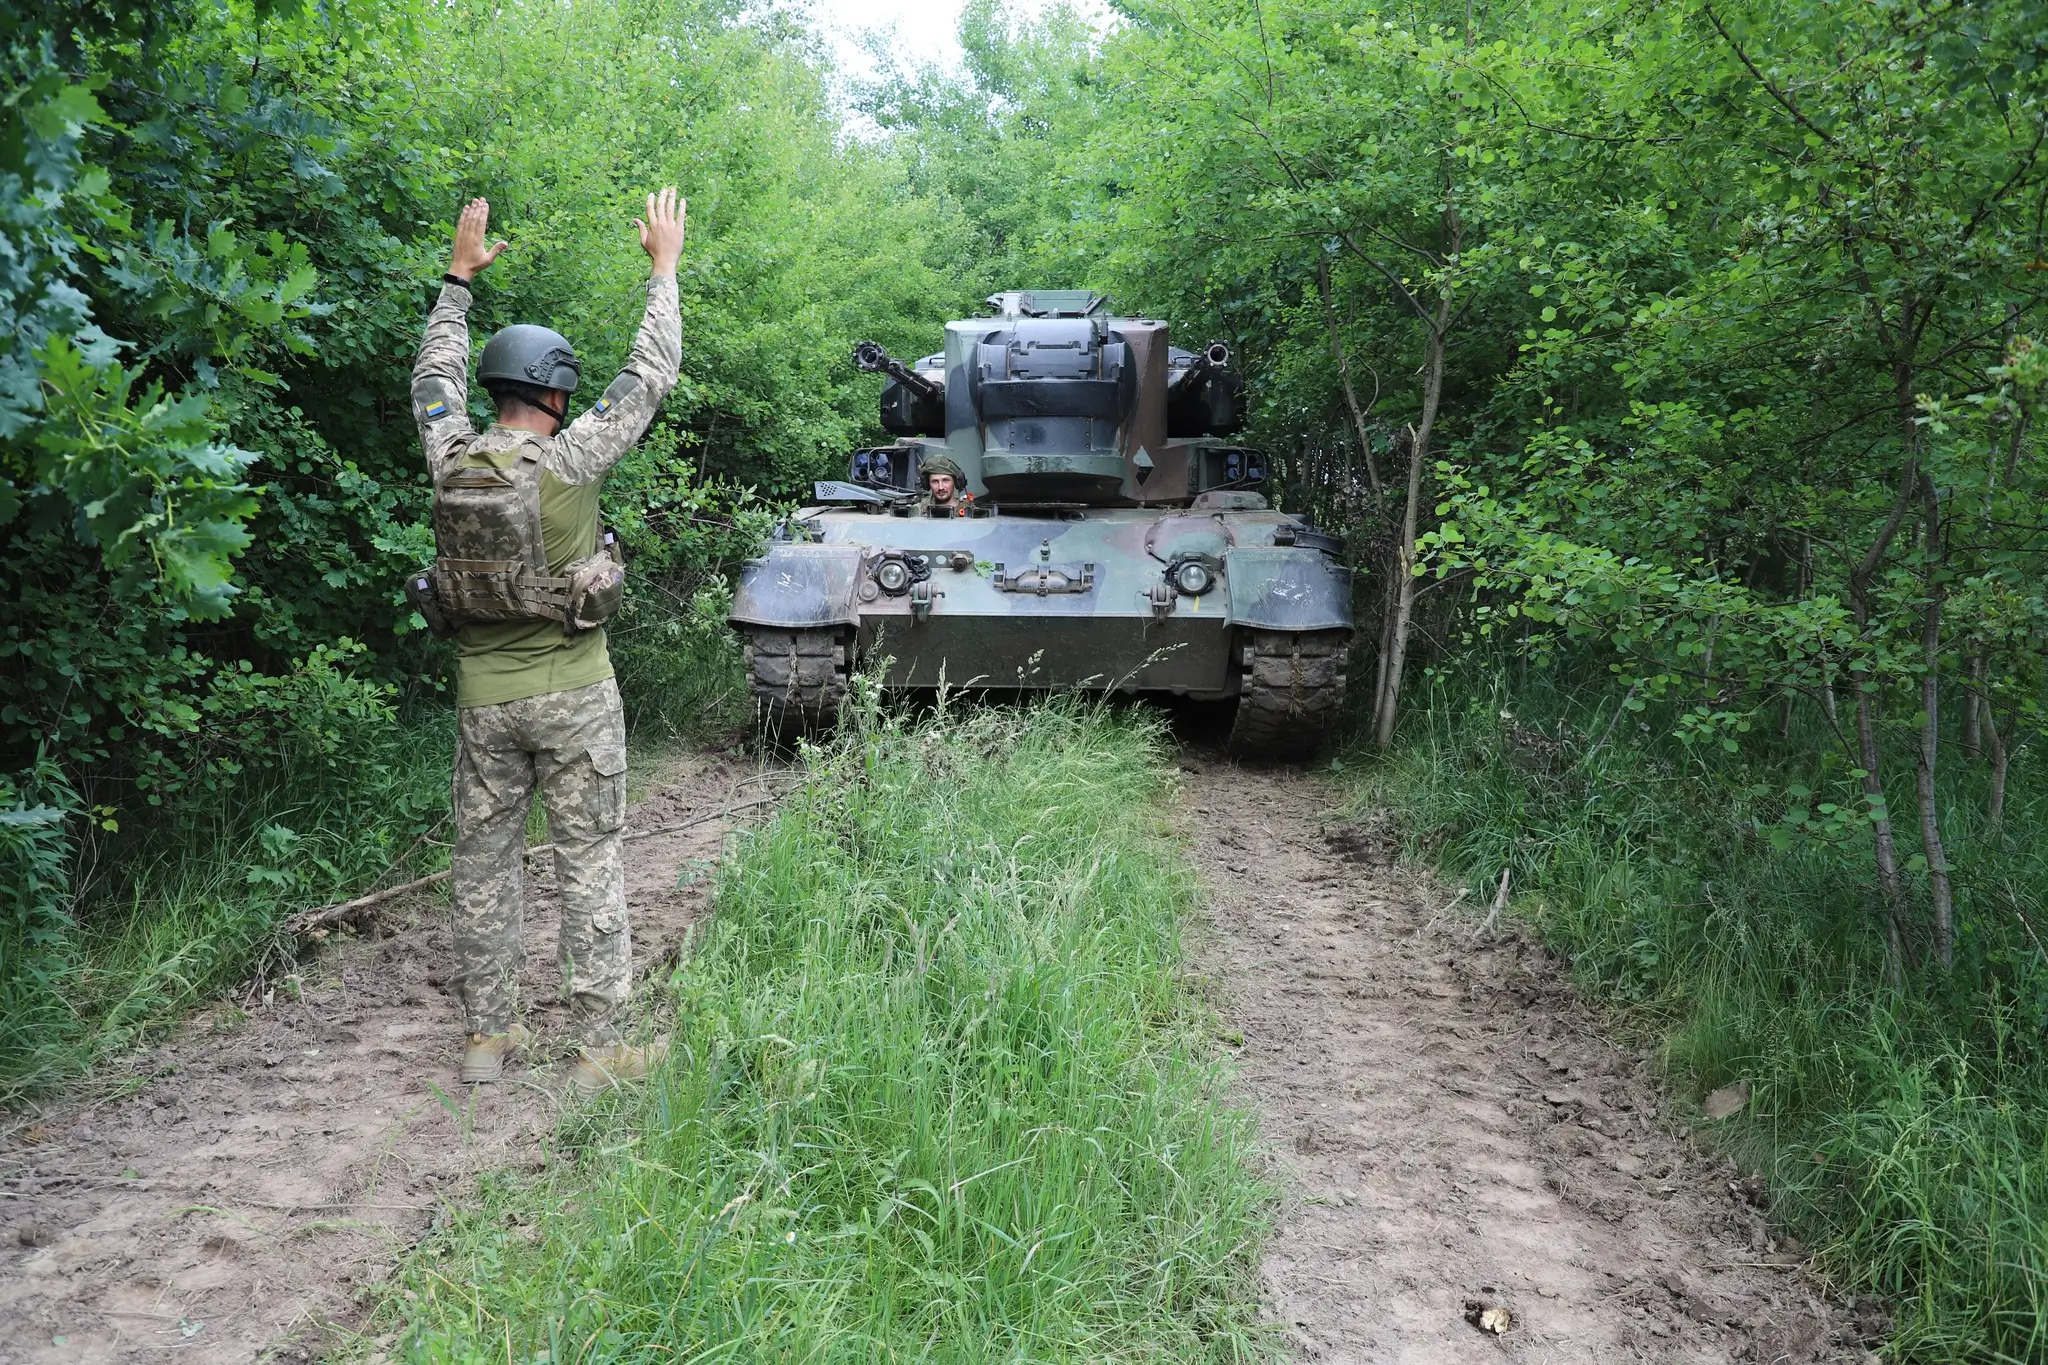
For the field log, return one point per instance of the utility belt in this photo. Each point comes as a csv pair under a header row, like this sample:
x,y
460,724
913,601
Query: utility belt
x,y
460,592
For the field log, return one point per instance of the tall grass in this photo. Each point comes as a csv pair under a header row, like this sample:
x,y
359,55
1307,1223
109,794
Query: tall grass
x,y
937,1093
1905,1130
185,902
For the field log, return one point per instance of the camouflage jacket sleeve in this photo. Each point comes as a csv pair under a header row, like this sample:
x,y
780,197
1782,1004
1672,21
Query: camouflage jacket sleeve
x,y
440,380
593,443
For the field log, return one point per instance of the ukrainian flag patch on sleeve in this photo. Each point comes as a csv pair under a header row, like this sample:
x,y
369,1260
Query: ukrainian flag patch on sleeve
x,y
436,410
604,405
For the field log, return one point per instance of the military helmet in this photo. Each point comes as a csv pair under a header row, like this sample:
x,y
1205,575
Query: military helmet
x,y
527,354
941,465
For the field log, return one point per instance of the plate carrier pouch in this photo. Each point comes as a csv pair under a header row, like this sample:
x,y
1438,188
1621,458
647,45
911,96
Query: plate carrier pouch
x,y
491,559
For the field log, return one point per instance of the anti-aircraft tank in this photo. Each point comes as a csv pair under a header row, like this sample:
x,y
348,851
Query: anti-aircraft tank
x,y
1109,536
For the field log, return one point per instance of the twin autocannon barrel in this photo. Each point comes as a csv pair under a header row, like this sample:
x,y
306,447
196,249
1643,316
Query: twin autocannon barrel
x,y
870,356
1208,360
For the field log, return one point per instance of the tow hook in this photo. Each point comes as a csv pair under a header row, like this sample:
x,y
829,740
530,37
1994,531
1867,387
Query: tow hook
x,y
921,598
1161,595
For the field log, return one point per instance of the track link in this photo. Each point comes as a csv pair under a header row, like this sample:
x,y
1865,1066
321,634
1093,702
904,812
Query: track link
x,y
798,678
1290,691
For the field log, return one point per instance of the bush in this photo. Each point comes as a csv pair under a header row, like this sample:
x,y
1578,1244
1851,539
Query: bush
x,y
297,789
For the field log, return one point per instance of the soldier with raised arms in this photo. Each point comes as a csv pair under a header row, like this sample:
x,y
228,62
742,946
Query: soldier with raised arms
x,y
524,578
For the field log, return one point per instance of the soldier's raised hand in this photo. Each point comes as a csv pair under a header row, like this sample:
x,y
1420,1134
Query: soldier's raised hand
x,y
472,226
661,231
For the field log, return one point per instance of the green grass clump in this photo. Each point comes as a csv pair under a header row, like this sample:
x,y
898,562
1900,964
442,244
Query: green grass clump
x,y
1904,1127
938,1093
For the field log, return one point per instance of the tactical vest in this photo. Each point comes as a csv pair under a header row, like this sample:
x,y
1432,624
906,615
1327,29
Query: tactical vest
x,y
491,559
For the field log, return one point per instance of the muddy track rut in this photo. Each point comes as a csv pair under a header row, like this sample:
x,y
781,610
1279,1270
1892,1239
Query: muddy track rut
x,y
1455,1134
267,1167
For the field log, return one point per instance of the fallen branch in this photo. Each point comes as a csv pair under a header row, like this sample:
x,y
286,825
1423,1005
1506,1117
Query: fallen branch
x,y
315,924
1448,906
1500,903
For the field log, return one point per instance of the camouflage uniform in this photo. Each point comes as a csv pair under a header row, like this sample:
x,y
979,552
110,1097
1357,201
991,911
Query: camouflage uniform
x,y
572,745
539,707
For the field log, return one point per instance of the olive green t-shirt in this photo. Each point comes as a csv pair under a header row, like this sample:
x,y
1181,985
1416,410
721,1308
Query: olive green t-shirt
x,y
503,661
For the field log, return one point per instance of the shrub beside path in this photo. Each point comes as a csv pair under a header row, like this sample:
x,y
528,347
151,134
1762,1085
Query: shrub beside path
x,y
261,1168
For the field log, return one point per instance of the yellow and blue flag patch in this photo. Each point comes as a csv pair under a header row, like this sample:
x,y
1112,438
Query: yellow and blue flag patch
x,y
436,410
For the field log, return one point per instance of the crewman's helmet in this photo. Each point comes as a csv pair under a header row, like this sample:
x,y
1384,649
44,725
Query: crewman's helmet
x,y
941,465
526,354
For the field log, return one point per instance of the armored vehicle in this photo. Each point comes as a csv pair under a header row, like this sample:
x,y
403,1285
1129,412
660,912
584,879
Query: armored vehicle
x,y
1108,535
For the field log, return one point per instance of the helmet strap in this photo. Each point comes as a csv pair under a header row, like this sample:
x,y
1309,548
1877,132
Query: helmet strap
x,y
561,414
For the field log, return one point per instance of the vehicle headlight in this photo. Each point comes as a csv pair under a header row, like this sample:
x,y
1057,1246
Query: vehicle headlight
x,y
1194,578
893,575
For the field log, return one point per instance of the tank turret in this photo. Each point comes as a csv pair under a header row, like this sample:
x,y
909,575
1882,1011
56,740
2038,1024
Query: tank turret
x,y
1052,400
1110,534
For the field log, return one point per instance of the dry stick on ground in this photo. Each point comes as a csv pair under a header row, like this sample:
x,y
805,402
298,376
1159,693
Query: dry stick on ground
x,y
1448,906
1500,903
310,921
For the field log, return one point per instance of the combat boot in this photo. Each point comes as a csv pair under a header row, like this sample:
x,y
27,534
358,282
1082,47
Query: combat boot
x,y
484,1058
597,1069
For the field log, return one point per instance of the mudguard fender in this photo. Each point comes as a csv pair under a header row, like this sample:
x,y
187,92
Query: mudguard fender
x,y
799,587
1287,589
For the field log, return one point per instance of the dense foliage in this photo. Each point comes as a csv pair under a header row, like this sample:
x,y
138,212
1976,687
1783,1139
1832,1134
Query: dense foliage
x,y
226,226
223,225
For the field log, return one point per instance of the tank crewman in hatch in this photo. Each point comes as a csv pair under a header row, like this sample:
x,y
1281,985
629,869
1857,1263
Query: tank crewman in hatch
x,y
525,578
942,493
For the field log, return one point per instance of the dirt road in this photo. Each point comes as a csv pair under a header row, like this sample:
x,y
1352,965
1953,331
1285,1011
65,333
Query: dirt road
x,y
1458,1134
272,1163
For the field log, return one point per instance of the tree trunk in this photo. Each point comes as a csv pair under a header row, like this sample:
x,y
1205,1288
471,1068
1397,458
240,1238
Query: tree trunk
x,y
1385,711
1884,847
1941,893
1999,760
1390,598
1973,706
1886,850
1372,461
1388,595
1800,590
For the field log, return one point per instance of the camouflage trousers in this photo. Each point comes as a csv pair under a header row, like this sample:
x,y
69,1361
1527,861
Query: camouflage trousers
x,y
572,745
